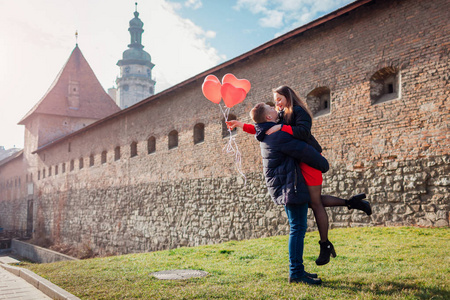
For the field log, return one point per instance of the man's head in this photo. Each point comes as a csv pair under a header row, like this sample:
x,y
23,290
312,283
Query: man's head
x,y
263,112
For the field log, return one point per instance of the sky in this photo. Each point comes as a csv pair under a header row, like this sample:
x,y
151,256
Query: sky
x,y
183,37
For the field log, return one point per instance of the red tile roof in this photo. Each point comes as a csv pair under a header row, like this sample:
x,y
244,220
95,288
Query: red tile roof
x,y
94,102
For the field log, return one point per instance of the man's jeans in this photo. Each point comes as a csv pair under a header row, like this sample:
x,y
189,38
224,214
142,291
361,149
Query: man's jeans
x,y
296,214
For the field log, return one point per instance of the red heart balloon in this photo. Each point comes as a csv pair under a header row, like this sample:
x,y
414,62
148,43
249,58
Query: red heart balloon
x,y
232,95
239,83
211,90
212,78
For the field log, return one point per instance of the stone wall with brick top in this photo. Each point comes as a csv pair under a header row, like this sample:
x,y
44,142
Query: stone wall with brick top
x,y
148,217
413,192
396,151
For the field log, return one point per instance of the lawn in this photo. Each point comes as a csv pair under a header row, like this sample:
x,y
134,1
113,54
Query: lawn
x,y
371,263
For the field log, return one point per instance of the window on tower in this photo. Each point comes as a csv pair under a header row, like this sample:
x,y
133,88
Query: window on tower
x,y
133,149
103,159
173,139
151,145
199,133
117,153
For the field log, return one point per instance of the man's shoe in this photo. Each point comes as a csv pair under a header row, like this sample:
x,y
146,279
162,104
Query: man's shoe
x,y
306,279
356,202
326,249
310,275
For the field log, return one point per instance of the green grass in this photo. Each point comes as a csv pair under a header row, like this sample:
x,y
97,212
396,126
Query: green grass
x,y
372,263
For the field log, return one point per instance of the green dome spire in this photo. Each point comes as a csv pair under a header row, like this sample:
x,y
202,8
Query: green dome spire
x,y
136,31
135,54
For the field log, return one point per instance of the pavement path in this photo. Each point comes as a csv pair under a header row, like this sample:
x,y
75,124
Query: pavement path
x,y
13,287
18,283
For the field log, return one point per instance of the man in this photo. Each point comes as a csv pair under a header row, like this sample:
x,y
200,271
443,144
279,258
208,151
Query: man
x,y
281,155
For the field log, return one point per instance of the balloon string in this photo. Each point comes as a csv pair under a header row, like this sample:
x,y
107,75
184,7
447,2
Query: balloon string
x,y
231,146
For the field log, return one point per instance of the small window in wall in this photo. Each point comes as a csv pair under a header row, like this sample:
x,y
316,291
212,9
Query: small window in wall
x,y
72,165
63,168
56,170
385,85
133,149
81,164
91,160
151,145
43,173
68,147
39,175
103,157
225,132
173,139
318,101
49,171
117,153
199,133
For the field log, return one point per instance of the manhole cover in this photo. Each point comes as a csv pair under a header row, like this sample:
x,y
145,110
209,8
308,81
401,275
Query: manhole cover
x,y
179,274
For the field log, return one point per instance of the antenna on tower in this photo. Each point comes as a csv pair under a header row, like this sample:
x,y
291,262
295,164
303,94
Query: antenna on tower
x,y
76,37
135,3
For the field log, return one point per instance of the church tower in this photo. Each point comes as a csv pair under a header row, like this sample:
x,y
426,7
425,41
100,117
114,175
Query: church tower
x,y
135,82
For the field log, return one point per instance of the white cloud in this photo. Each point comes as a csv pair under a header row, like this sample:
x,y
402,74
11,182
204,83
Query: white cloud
x,y
255,6
273,19
288,13
182,50
175,5
194,4
210,34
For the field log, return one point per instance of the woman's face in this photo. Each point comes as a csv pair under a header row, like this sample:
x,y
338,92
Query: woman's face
x,y
280,101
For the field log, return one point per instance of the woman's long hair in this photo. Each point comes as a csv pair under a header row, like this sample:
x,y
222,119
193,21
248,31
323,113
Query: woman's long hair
x,y
292,99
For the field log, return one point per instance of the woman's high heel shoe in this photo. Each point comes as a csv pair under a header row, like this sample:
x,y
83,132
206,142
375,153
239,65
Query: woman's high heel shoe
x,y
326,250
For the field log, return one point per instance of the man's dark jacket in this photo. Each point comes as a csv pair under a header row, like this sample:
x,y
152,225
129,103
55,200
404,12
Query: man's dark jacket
x,y
281,155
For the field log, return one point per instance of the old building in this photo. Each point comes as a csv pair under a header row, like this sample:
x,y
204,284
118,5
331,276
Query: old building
x,y
74,100
155,175
135,82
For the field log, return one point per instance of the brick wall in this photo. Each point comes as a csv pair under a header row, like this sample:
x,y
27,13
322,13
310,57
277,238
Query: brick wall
x,y
13,195
395,151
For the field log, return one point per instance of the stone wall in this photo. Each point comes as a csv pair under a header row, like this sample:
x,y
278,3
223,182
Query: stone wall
x,y
156,216
413,192
13,195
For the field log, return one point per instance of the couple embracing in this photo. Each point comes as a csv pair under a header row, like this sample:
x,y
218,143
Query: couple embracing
x,y
293,168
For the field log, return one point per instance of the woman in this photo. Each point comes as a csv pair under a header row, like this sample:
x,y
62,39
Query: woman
x,y
296,119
